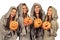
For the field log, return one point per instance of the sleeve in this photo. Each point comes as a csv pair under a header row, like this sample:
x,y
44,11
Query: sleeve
x,y
32,33
54,28
23,31
2,25
19,28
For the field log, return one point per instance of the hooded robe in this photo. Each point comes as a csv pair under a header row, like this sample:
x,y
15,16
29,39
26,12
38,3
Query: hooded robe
x,y
39,35
5,33
24,31
51,33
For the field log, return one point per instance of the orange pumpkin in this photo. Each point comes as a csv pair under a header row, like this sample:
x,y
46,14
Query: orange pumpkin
x,y
37,23
27,21
13,25
46,25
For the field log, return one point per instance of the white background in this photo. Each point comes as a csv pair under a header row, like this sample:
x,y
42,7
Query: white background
x,y
6,4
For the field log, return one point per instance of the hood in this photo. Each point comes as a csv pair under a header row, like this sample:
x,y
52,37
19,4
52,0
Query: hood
x,y
54,14
19,8
8,13
32,10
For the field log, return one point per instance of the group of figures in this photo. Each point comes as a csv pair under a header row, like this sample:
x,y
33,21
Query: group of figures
x,y
38,26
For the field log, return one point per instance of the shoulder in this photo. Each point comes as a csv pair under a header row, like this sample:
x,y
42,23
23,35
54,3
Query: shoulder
x,y
54,22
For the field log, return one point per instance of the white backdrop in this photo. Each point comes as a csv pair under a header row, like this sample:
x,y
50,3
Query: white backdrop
x,y
6,4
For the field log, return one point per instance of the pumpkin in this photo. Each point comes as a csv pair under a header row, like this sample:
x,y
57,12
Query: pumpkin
x,y
46,25
37,23
13,25
27,21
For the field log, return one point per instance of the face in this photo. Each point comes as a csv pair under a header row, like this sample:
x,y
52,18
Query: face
x,y
37,9
49,11
13,12
24,9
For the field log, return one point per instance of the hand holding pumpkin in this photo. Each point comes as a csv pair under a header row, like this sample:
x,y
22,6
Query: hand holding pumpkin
x,y
37,23
46,25
27,21
13,25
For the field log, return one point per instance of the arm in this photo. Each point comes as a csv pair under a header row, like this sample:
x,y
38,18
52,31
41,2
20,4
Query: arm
x,y
23,31
54,28
2,25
